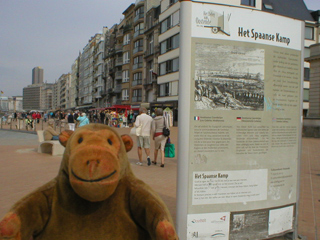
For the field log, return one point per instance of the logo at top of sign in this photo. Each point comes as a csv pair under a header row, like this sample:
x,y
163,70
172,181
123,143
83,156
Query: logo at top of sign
x,y
218,22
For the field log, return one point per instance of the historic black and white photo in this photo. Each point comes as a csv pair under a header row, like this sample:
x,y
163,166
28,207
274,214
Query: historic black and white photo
x,y
229,77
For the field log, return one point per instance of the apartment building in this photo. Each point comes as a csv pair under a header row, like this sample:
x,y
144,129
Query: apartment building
x,y
74,88
123,86
109,96
46,97
151,51
168,60
63,83
98,70
86,73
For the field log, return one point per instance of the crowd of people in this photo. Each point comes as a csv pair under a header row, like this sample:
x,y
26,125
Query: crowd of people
x,y
151,126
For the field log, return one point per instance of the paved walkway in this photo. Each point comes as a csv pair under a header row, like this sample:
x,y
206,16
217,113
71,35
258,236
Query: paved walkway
x,y
23,169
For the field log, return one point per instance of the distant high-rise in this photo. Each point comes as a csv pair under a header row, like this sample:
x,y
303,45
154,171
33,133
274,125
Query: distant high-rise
x,y
37,75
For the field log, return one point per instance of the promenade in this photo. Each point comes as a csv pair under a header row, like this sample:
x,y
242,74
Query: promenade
x,y
23,169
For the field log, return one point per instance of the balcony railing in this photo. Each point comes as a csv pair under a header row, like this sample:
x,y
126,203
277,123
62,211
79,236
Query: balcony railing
x,y
136,82
138,49
117,88
119,47
119,33
137,33
136,66
136,99
119,61
127,28
139,16
118,75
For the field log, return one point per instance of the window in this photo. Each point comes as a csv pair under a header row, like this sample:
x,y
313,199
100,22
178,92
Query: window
x,y
169,66
306,74
251,3
138,29
164,89
125,76
125,95
137,95
138,46
306,95
137,62
137,79
150,72
169,44
309,33
150,46
126,58
126,39
139,12
170,22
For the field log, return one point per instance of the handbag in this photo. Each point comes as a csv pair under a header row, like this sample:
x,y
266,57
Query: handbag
x,y
136,131
169,149
165,130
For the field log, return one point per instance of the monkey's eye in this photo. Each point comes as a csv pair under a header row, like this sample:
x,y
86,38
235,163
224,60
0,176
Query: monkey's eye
x,y
80,140
109,141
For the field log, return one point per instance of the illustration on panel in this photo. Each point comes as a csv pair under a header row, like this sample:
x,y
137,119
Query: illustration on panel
x,y
228,77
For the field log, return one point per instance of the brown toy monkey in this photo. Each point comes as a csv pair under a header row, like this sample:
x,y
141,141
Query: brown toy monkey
x,y
94,197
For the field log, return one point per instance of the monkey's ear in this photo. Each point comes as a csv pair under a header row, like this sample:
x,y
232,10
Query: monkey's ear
x,y
128,143
64,136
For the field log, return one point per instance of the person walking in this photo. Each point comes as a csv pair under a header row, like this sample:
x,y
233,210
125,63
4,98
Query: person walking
x,y
143,140
160,140
83,120
70,120
45,116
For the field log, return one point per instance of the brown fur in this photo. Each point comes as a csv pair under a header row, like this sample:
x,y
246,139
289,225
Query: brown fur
x,y
94,197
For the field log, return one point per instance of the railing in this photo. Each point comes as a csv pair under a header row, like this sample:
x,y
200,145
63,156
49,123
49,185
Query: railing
x,y
137,33
118,75
137,49
136,99
137,17
136,82
119,61
119,47
119,33
137,65
21,125
117,88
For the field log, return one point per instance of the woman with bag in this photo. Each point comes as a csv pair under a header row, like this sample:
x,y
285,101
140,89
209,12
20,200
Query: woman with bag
x,y
159,129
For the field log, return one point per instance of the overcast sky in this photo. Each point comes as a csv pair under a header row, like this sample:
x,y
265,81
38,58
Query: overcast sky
x,y
50,34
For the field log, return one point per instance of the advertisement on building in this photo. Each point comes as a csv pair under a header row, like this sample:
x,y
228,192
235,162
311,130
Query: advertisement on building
x,y
244,129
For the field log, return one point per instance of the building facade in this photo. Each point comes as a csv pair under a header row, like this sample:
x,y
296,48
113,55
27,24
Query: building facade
x,y
37,75
32,97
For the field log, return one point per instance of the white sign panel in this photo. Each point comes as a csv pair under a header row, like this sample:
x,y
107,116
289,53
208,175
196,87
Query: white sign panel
x,y
240,100
230,23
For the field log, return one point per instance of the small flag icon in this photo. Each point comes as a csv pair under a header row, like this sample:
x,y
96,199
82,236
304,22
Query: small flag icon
x,y
274,119
197,118
239,119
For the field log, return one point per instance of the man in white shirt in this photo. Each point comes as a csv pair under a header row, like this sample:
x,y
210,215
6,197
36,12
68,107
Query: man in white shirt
x,y
143,141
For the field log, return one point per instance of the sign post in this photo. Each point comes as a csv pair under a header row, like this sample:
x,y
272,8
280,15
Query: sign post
x,y
239,151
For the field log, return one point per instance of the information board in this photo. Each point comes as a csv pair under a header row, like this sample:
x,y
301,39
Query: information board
x,y
239,151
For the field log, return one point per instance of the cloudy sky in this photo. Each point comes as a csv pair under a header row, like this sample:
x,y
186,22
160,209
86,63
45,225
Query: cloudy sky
x,y
50,34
